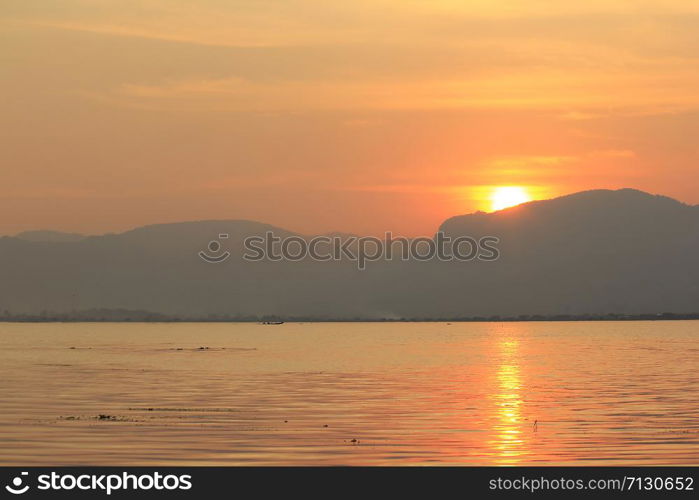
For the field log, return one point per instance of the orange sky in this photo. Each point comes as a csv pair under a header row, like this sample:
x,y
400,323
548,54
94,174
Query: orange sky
x,y
358,116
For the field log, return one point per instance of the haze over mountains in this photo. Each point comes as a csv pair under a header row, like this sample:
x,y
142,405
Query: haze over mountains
x,y
593,252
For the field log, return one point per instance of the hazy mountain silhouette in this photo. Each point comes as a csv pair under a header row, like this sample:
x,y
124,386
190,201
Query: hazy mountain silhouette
x,y
594,251
597,252
49,236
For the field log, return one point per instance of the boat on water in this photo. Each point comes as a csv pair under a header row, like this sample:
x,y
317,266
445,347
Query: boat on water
x,y
272,323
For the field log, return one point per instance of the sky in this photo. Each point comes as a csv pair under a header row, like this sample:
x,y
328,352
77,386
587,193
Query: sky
x,y
328,115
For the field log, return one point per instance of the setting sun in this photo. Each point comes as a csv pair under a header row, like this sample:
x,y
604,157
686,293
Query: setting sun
x,y
508,196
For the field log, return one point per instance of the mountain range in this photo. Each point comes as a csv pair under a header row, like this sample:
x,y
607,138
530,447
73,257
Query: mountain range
x,y
593,252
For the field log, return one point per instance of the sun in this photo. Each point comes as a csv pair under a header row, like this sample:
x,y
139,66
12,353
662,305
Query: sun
x,y
508,196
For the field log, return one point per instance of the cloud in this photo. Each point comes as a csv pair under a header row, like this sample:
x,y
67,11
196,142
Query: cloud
x,y
528,162
613,153
652,91
583,60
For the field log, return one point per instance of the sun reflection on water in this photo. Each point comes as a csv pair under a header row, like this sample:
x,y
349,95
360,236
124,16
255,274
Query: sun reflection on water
x,y
509,444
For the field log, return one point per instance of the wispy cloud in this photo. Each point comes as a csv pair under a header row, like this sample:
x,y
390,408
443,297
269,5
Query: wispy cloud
x,y
652,91
581,59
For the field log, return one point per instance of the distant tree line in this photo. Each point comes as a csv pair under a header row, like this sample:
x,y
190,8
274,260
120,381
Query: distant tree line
x,y
126,315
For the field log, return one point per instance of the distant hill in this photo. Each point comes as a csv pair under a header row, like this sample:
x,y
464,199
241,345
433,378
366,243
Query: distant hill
x,y
49,236
594,252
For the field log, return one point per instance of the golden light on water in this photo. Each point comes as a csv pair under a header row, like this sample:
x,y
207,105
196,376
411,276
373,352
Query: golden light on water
x,y
509,442
508,196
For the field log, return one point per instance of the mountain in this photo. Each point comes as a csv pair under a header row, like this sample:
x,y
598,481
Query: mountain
x,y
595,252
49,236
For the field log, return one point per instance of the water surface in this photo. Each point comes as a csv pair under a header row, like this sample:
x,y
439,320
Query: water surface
x,y
583,393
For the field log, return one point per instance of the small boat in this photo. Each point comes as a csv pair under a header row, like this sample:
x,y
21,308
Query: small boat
x,y
272,323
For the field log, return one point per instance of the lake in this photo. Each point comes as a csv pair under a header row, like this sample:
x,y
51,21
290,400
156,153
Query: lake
x,y
539,393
